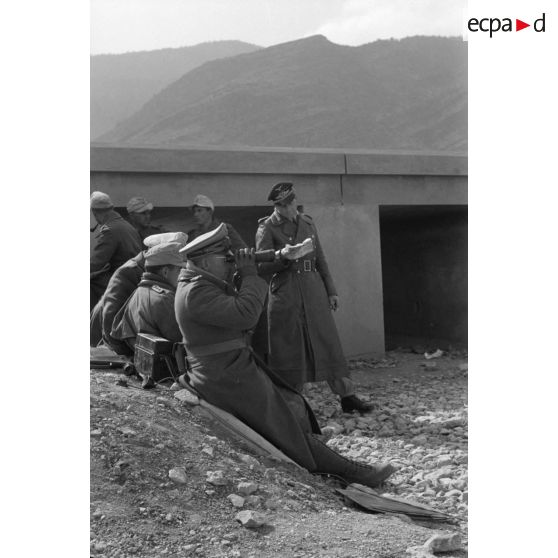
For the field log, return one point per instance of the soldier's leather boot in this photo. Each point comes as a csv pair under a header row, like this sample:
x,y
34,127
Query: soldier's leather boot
x,y
353,403
331,463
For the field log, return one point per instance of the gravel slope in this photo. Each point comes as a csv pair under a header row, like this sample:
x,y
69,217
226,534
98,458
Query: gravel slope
x,y
138,437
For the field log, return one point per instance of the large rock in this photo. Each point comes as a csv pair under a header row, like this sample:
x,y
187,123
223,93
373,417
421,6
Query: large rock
x,y
187,397
216,478
178,475
236,500
247,488
443,542
250,519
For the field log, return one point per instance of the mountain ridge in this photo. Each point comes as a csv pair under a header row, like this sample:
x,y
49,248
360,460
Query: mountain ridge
x,y
390,94
122,83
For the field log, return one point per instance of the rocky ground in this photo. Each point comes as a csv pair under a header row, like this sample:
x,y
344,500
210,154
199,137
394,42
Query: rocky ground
x,y
165,482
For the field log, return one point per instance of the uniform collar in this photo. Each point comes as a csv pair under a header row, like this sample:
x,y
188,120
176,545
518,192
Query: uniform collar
x,y
192,273
278,219
113,216
148,279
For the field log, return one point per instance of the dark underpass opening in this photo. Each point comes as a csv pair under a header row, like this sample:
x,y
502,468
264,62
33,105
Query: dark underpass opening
x,y
424,275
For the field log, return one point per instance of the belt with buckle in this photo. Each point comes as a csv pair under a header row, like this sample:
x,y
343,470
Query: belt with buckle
x,y
300,266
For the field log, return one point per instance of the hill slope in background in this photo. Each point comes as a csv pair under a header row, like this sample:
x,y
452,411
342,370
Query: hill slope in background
x,y
122,83
390,94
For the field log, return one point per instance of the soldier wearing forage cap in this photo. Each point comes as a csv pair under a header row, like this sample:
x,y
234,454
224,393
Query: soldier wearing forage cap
x,y
203,210
304,345
121,285
114,242
213,317
150,309
139,214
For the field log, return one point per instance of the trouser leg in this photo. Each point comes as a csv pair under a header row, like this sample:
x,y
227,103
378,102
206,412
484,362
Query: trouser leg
x,y
344,387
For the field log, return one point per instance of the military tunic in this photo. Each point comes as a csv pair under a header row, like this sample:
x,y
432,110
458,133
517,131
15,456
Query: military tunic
x,y
304,345
121,285
210,311
114,243
150,309
148,230
235,238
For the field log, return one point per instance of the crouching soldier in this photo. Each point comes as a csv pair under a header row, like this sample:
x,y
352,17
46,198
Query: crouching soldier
x,y
150,309
121,285
213,318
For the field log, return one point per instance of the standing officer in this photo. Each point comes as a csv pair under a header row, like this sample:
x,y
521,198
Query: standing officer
x,y
114,242
304,344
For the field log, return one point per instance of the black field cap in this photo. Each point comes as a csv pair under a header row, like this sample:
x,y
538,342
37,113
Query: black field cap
x,y
212,242
282,193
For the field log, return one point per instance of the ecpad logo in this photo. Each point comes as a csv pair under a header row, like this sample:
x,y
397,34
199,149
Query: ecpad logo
x,y
494,24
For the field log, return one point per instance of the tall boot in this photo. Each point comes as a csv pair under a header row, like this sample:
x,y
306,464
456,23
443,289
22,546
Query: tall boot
x,y
330,462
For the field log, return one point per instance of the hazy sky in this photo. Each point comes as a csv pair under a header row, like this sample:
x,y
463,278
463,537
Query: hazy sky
x,y
129,25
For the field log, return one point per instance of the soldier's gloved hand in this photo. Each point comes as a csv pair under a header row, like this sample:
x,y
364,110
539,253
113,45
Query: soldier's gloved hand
x,y
245,260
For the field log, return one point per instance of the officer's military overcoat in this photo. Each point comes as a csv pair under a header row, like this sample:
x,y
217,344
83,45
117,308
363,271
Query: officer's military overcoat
x,y
304,344
209,311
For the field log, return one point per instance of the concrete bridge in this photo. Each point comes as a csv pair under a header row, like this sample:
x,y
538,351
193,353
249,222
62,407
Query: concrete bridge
x,y
393,224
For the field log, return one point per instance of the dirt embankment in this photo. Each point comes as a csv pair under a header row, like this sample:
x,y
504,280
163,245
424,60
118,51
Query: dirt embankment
x,y
138,436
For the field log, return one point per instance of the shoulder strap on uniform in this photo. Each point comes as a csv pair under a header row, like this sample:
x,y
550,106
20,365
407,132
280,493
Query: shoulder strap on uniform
x,y
306,218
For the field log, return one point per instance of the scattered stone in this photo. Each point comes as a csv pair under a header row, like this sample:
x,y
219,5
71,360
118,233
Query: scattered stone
x,y
249,460
236,500
253,501
100,547
216,478
336,428
419,552
127,431
272,504
443,543
444,460
96,433
187,397
247,488
208,450
436,354
178,475
250,519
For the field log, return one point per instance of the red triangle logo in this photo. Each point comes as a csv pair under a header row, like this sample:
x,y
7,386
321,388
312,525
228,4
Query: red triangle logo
x,y
519,25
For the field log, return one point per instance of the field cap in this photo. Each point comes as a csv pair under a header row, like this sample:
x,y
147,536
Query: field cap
x,y
282,193
166,253
139,205
154,239
100,200
203,201
212,242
